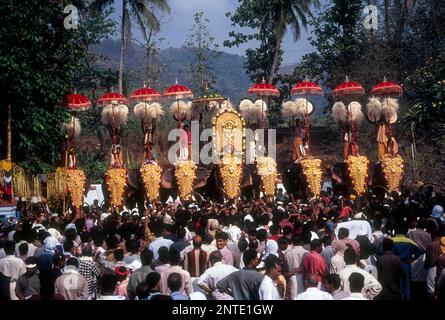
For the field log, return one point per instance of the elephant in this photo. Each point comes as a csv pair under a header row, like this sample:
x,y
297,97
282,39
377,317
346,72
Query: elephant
x,y
294,181
342,184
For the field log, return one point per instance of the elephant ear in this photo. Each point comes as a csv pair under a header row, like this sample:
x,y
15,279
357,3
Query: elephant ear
x,y
133,178
202,174
167,179
246,179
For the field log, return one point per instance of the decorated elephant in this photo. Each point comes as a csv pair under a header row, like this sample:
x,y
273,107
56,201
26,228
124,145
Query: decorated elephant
x,y
294,181
342,184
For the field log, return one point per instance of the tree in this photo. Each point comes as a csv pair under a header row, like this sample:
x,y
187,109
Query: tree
x,y
143,11
41,61
259,60
281,15
204,48
271,18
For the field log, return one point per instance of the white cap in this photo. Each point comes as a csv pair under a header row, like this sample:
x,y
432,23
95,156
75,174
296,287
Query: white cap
x,y
103,216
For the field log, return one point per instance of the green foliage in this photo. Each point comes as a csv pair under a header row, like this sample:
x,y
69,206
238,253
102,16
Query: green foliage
x,y
93,164
259,61
204,49
40,63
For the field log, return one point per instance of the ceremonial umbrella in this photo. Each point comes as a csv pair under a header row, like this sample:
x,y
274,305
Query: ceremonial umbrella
x,y
75,179
349,89
263,89
306,88
385,90
112,98
77,102
178,92
145,94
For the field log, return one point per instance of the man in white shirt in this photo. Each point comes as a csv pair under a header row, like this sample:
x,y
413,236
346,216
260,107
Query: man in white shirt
x,y
268,288
371,286
12,267
160,241
312,292
71,284
208,280
356,283
294,257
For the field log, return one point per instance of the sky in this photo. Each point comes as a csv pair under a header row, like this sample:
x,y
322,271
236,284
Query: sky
x,y
176,26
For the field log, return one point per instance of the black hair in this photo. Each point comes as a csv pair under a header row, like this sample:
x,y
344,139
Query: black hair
x,y
350,256
23,249
215,257
87,251
327,241
274,229
261,235
85,237
111,242
253,245
356,282
248,256
283,240
70,234
174,257
297,239
132,246
109,283
271,262
73,262
9,247
343,233
315,244
333,279
47,288
119,254
174,281
264,219
242,244
163,254
221,235
146,257
142,290
152,279
68,245
387,244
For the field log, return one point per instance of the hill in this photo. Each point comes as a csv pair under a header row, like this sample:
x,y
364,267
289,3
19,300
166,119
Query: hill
x,y
232,80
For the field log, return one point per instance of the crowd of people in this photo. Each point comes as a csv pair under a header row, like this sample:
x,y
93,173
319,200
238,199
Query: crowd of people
x,y
329,248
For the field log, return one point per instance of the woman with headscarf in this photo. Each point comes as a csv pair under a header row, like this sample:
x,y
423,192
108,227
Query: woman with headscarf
x,y
337,261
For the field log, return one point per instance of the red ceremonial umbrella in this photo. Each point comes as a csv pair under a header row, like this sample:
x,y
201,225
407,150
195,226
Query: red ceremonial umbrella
x,y
305,88
263,89
145,94
112,96
78,102
178,92
350,89
386,88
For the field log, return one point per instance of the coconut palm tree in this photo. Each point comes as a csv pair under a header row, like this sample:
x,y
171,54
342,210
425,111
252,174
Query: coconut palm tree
x,y
284,14
143,12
